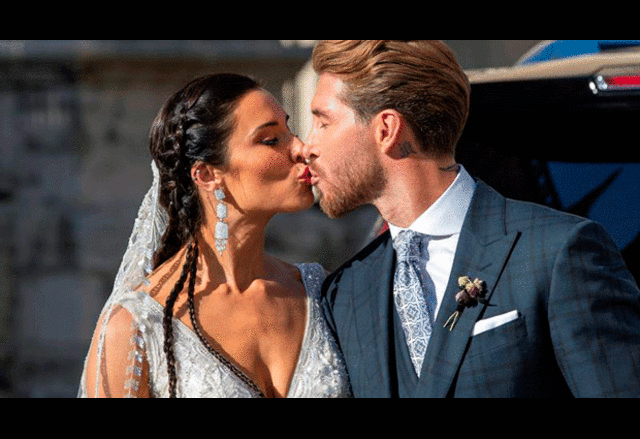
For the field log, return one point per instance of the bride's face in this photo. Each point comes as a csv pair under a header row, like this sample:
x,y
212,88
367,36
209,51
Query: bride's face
x,y
264,175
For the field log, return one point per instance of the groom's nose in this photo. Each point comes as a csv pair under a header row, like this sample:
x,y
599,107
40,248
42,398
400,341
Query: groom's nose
x,y
309,149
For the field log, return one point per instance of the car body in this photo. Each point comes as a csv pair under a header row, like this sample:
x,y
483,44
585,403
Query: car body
x,y
563,133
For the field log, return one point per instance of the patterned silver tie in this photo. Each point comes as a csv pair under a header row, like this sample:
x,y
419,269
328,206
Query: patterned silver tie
x,y
416,311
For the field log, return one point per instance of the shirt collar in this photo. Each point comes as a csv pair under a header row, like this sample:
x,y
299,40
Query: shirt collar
x,y
446,215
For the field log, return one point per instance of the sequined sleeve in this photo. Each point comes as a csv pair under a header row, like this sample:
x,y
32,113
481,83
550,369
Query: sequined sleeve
x,y
116,365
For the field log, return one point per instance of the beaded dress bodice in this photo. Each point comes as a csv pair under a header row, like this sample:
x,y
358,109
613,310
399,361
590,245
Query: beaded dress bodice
x,y
320,370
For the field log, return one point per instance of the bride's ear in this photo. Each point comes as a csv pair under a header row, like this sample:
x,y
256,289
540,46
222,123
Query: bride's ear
x,y
206,177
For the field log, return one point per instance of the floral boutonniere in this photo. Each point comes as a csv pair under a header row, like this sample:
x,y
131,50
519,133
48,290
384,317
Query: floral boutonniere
x,y
470,294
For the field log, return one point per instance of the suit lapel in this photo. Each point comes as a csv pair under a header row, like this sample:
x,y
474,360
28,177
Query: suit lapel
x,y
483,250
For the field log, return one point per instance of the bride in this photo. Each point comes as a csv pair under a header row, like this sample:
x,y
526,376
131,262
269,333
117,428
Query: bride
x,y
198,308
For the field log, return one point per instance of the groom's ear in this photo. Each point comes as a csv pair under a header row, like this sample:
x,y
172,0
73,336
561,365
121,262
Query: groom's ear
x,y
389,126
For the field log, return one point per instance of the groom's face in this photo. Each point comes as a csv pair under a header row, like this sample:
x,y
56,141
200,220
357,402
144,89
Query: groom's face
x,y
345,167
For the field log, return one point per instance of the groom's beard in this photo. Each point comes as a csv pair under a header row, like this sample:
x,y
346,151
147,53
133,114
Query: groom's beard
x,y
353,184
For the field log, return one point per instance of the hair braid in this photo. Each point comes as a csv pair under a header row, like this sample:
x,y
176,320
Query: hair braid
x,y
188,269
177,192
184,216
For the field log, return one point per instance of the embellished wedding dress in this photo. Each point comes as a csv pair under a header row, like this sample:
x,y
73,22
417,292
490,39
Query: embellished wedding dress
x,y
130,335
320,370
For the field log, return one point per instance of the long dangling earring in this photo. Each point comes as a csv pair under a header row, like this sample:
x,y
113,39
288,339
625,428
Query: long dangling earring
x,y
222,228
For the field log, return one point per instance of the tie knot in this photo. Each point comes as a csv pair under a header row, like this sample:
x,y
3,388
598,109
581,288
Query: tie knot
x,y
408,242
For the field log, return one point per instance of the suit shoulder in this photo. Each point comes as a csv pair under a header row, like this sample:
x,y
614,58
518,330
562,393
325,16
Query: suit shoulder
x,y
540,225
554,229
525,215
539,221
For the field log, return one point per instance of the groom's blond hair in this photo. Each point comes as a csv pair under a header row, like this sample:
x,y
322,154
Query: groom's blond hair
x,y
420,79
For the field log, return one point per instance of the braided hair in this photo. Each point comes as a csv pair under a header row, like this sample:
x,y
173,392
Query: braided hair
x,y
194,125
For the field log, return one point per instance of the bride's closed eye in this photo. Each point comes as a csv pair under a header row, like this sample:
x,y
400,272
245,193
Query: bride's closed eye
x,y
271,141
275,140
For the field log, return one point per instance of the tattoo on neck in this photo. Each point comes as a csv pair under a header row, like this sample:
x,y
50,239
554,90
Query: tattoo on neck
x,y
406,149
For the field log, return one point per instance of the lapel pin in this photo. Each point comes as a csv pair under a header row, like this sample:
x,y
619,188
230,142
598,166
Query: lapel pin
x,y
470,294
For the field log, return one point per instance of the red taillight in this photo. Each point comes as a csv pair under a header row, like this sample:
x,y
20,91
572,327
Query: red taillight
x,y
616,80
627,81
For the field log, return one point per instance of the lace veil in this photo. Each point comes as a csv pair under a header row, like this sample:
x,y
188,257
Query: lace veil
x,y
136,264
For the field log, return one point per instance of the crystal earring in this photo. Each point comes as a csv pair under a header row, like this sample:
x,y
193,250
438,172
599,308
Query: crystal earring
x,y
222,229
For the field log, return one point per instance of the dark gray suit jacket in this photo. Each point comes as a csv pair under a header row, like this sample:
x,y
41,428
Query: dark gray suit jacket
x,y
578,326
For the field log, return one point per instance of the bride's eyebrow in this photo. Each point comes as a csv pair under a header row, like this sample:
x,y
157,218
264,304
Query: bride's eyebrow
x,y
269,124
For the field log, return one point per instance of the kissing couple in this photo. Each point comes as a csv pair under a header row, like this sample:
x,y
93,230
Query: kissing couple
x,y
467,294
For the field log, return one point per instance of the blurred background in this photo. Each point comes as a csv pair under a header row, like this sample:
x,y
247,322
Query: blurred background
x,y
74,166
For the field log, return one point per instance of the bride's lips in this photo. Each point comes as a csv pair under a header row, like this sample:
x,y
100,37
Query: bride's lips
x,y
306,176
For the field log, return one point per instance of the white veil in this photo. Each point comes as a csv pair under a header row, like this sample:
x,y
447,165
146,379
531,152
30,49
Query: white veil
x,y
148,229
136,264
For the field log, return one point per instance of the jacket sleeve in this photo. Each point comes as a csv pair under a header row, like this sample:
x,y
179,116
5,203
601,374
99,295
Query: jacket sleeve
x,y
327,297
594,316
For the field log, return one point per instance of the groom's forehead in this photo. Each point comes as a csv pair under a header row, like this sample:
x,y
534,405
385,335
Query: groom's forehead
x,y
328,97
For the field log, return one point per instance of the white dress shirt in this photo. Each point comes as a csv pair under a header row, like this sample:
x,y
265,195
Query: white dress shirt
x,y
442,223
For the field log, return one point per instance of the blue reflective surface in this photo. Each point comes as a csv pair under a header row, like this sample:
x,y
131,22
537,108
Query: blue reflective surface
x,y
559,49
617,207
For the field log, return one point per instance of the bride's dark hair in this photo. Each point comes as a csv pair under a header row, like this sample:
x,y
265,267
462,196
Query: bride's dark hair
x,y
194,125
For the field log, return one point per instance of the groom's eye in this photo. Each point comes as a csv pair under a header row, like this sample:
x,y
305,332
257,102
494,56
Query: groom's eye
x,y
322,123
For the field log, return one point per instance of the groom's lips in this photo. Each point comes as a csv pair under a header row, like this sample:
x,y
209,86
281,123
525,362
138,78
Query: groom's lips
x,y
313,178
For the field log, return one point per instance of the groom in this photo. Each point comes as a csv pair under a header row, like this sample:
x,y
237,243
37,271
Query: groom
x,y
491,297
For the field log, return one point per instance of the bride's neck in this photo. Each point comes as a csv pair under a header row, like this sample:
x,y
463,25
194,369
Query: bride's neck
x,y
241,262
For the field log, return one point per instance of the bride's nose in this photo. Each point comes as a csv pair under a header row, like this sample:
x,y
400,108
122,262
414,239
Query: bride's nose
x,y
297,151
